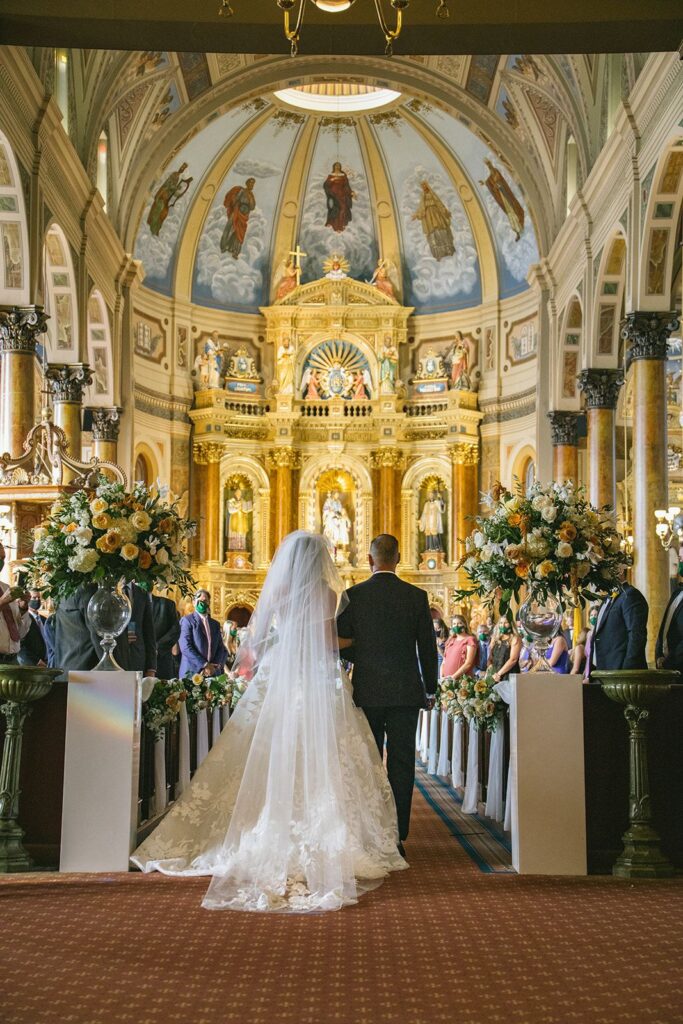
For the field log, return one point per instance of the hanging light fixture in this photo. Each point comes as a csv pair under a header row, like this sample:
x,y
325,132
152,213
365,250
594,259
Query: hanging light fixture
x,y
293,25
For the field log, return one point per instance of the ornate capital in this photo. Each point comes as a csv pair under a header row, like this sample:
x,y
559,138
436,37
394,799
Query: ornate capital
x,y
284,458
647,334
464,454
600,387
106,424
205,452
387,458
68,381
563,427
20,326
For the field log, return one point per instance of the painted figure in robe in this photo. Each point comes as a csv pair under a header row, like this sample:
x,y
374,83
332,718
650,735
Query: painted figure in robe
x,y
505,197
166,197
340,198
435,218
239,203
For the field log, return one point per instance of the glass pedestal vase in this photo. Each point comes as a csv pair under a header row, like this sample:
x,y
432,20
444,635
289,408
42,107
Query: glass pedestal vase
x,y
109,613
541,619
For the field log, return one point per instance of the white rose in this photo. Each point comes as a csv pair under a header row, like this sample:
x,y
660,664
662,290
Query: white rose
x,y
83,535
478,538
162,556
539,502
549,513
486,553
564,550
141,520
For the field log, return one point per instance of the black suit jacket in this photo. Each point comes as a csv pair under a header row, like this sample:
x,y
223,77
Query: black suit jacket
x,y
76,645
167,632
674,659
620,637
143,650
394,657
33,649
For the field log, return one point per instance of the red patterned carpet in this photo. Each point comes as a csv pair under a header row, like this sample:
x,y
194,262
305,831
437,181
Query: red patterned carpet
x,y
441,942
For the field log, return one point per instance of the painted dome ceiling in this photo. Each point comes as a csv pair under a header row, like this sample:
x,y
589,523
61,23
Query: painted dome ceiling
x,y
363,172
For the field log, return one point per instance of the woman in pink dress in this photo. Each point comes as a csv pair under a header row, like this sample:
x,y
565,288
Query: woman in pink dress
x,y
461,650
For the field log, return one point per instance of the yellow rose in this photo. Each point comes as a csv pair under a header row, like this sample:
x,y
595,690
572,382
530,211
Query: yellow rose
x,y
512,504
101,521
98,505
141,520
567,531
130,552
101,543
197,679
545,568
70,527
522,569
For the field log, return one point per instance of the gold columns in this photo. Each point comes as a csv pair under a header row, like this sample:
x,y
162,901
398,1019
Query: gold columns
x,y
601,392
284,461
465,466
105,433
19,328
388,461
67,383
647,335
565,446
207,458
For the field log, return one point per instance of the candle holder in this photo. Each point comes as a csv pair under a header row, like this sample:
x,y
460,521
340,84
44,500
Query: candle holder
x,y
20,685
637,690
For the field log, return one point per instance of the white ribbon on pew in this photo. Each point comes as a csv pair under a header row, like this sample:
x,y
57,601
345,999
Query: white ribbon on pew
x,y
160,800
183,751
504,690
494,786
419,730
444,766
433,741
471,797
424,737
456,755
202,735
215,725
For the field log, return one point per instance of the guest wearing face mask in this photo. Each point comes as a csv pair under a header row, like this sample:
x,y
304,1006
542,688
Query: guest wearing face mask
x,y
505,650
460,652
14,622
33,645
201,643
441,635
230,641
483,645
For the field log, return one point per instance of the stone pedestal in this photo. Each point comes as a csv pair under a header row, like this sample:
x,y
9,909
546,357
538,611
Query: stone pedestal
x,y
19,330
563,428
67,383
601,392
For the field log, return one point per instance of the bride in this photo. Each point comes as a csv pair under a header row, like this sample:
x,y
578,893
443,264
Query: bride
x,y
292,809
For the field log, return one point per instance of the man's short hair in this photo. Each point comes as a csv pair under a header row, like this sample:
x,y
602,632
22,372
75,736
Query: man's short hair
x,y
384,549
198,594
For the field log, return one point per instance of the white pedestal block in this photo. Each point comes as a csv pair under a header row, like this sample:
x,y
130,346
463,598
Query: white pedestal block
x,y
101,770
547,789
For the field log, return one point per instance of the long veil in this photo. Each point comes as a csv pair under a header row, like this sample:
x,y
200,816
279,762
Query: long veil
x,y
310,817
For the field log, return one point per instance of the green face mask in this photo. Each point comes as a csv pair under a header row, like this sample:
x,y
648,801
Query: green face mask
x,y
202,607
482,636
456,629
233,632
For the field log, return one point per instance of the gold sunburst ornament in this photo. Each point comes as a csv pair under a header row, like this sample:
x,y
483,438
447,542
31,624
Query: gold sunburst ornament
x,y
336,265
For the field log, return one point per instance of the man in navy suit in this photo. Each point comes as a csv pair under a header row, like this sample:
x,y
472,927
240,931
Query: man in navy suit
x,y
619,638
201,640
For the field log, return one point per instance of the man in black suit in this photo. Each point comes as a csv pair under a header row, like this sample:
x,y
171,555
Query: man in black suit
x,y
76,644
142,645
620,635
167,633
33,647
669,648
395,664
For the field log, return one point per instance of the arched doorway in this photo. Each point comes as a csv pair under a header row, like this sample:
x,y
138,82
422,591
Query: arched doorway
x,y
240,615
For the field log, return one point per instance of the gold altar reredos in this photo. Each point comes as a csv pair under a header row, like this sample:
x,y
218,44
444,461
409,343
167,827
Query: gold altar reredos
x,y
285,448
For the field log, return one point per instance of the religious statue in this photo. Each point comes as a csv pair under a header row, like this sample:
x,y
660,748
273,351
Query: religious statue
x,y
457,363
340,198
239,203
285,367
336,525
310,385
505,197
239,508
388,368
361,385
431,522
213,350
336,267
201,371
381,280
288,280
435,218
166,197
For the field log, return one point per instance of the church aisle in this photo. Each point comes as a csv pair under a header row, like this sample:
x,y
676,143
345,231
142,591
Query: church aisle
x,y
442,942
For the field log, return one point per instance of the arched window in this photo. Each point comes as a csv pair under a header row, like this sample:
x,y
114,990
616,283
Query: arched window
x,y
142,474
60,299
571,169
14,288
101,391
102,179
62,85
529,475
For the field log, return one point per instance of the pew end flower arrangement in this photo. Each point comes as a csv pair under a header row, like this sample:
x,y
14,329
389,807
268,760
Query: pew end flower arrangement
x,y
195,693
474,700
105,534
550,542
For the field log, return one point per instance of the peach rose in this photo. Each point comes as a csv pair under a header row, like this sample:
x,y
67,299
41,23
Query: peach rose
x,y
567,531
144,559
522,569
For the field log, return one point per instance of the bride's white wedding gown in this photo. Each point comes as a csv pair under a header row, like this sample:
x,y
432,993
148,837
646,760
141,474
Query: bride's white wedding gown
x,y
292,809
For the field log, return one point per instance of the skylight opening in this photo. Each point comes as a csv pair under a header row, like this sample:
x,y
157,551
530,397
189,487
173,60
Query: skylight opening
x,y
337,97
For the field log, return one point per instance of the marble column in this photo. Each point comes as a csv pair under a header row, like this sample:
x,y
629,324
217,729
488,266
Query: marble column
x,y
67,383
465,494
19,330
105,433
207,458
284,461
646,335
565,446
388,461
601,391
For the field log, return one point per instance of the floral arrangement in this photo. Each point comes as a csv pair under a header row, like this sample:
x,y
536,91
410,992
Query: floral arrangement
x,y
108,534
551,540
196,692
475,700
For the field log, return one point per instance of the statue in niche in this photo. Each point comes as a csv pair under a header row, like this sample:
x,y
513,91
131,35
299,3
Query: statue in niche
x,y
388,368
239,508
208,366
336,525
285,367
457,363
431,521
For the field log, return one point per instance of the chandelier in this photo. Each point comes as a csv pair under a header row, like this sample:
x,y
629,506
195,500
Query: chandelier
x,y
293,25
